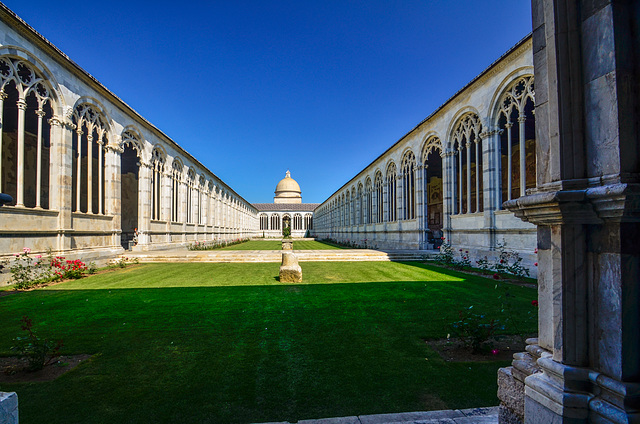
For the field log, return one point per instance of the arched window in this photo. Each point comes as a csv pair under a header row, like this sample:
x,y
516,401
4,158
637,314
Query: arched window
x,y
25,110
368,203
432,161
176,178
191,187
264,221
408,186
379,196
468,148
157,170
517,139
129,187
391,192
308,222
347,204
275,222
360,205
297,222
201,209
89,140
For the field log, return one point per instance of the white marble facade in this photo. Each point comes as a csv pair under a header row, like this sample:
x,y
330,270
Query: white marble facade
x,y
86,171
450,175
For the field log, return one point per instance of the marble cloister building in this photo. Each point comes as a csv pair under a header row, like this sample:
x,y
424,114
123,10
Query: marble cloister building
x,y
286,211
86,171
451,173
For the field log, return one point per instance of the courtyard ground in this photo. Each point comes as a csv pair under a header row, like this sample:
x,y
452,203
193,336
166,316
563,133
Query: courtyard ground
x,y
277,245
228,343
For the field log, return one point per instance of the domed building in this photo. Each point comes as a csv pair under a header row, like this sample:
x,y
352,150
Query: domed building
x,y
286,211
288,190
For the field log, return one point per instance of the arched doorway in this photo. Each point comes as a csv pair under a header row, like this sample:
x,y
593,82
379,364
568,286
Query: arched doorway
x,y
286,225
129,191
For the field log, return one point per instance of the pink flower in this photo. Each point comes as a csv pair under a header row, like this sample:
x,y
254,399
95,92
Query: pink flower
x,y
495,351
536,250
26,250
496,276
38,256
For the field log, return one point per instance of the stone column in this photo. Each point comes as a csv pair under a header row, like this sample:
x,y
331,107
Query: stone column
x,y
22,107
448,190
587,77
478,147
90,173
522,158
40,114
468,145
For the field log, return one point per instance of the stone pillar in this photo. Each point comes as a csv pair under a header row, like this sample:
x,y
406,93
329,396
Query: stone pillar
x,y
587,76
422,213
491,182
40,114
448,190
60,176
145,202
113,189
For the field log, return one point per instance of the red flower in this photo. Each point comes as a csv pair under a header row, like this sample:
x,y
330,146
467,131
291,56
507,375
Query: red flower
x,y
534,302
501,261
495,351
536,250
535,263
496,276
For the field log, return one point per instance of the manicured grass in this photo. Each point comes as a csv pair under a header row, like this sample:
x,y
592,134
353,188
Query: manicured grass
x,y
227,343
277,245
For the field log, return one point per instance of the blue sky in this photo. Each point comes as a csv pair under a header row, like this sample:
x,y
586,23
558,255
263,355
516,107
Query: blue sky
x,y
253,88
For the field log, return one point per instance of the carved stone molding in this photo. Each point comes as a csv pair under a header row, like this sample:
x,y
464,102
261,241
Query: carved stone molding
x,y
554,208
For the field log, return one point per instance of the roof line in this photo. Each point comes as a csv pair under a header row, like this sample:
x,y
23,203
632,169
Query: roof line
x,y
456,94
56,51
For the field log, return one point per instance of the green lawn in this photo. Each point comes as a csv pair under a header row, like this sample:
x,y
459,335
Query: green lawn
x,y
227,343
277,245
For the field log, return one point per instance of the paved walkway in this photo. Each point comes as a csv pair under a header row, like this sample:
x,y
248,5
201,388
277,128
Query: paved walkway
x,y
454,416
184,255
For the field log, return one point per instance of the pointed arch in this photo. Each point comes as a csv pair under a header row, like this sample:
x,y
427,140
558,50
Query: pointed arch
x,y
408,185
467,147
391,177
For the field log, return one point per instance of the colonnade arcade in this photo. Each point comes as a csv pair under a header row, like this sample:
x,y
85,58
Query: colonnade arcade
x,y
275,221
448,177
93,186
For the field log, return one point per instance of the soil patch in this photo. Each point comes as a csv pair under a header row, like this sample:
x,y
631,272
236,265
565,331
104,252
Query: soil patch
x,y
499,348
13,369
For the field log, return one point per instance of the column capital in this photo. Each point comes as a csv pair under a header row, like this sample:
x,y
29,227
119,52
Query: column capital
x,y
508,125
62,121
114,148
22,104
522,118
40,113
3,95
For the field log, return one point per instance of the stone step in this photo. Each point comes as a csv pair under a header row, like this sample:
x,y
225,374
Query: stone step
x,y
276,255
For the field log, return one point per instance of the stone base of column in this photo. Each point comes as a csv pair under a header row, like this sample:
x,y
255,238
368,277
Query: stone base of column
x,y
511,385
8,408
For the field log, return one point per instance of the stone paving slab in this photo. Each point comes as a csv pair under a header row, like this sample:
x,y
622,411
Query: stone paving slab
x,y
453,416
339,420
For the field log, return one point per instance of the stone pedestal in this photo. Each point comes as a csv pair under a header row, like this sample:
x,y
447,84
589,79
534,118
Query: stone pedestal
x,y
8,408
287,244
290,271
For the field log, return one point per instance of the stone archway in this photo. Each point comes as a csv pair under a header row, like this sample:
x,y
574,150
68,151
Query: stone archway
x,y
286,223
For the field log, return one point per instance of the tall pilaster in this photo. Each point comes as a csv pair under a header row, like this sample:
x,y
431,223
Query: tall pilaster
x,y
113,188
22,107
145,202
421,205
587,76
60,176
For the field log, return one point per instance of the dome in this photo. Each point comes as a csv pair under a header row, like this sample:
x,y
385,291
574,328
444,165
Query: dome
x,y
288,191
